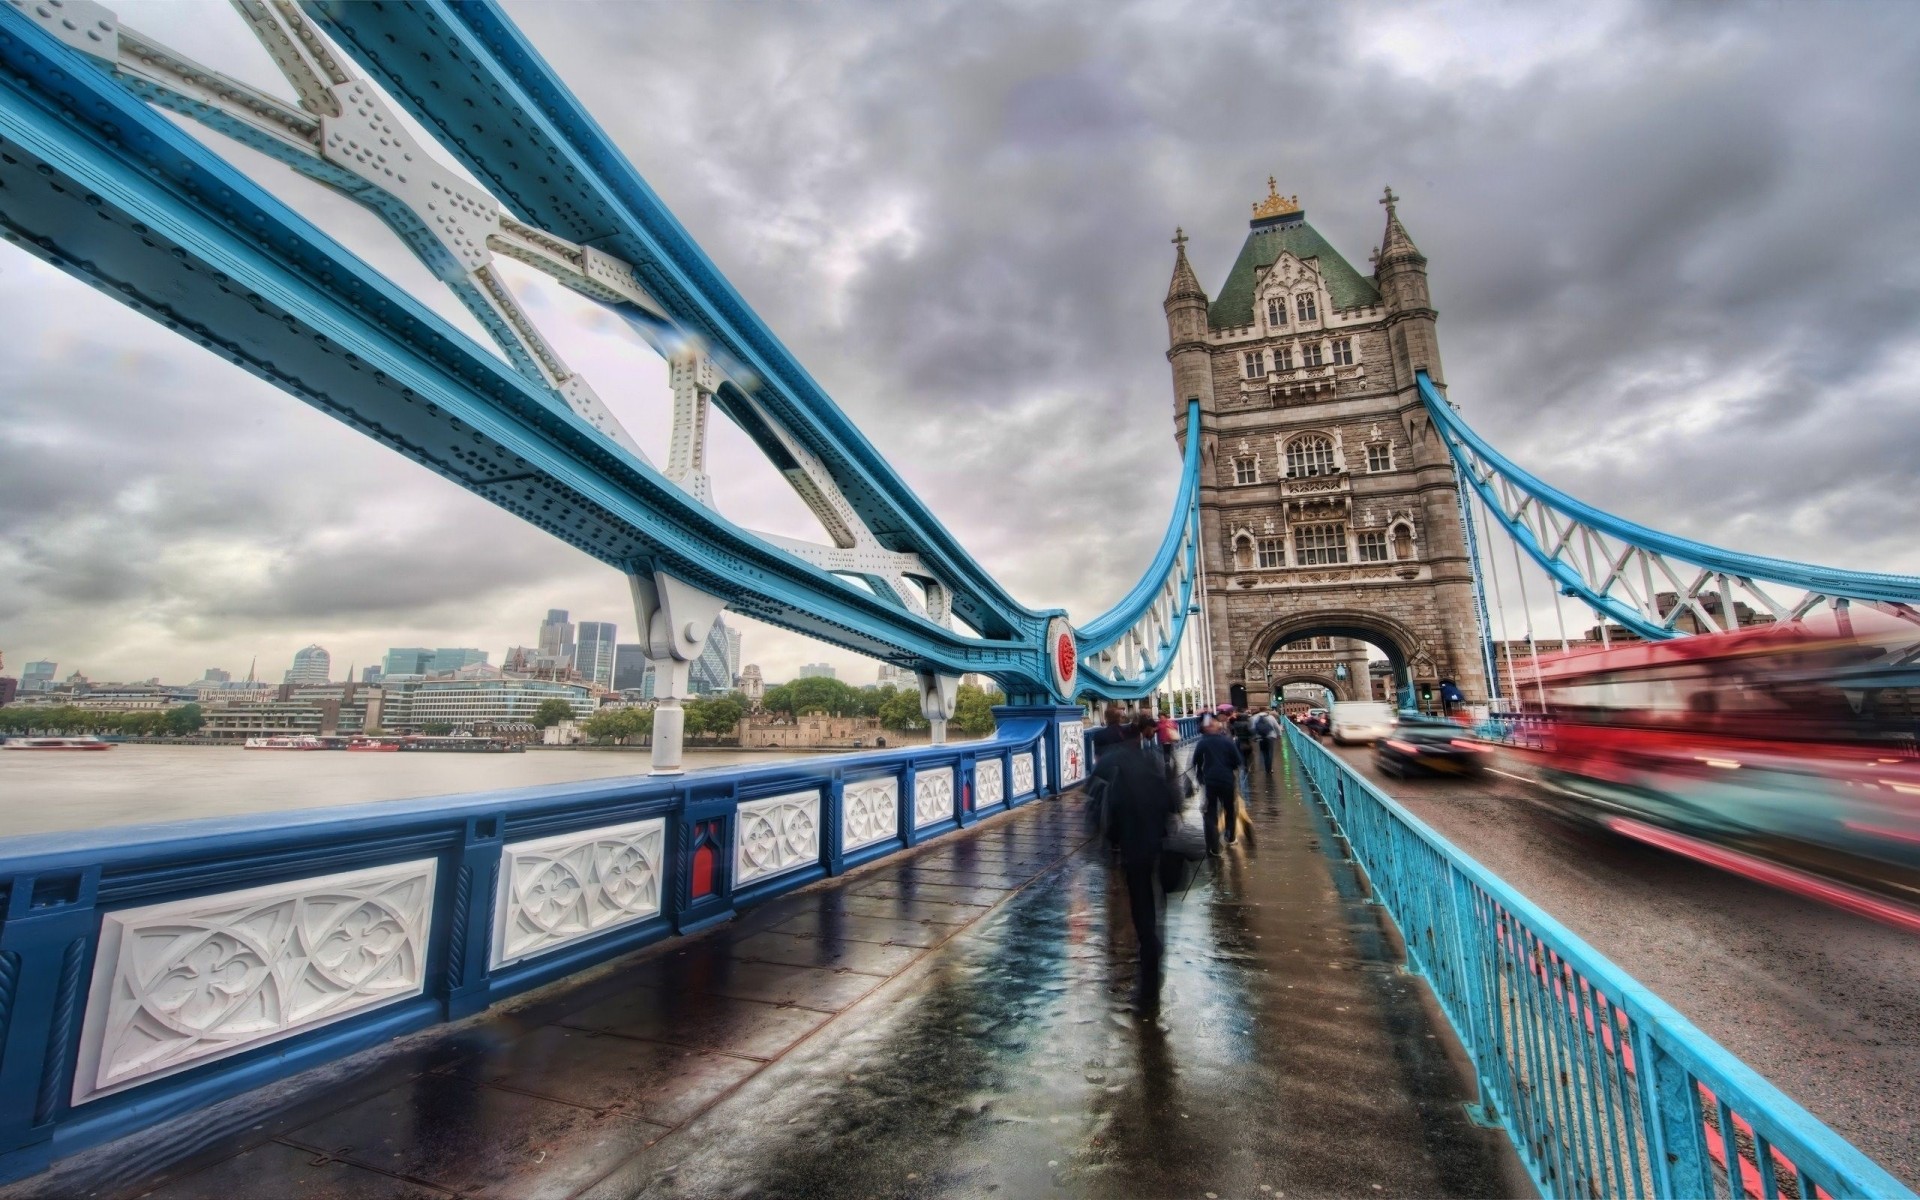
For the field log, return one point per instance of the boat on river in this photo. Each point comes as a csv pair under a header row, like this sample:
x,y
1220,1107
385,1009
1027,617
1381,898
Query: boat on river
x,y
367,745
83,742
285,743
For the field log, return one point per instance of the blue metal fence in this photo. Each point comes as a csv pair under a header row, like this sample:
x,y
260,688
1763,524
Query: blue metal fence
x,y
149,971
1604,1089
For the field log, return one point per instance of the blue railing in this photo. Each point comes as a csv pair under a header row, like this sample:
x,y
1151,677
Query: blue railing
x,y
149,971
1604,1089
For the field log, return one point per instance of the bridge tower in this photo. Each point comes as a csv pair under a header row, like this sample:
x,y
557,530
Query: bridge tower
x,y
1328,505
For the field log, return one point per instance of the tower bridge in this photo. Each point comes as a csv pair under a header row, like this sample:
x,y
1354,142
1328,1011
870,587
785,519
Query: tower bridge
x,y
857,974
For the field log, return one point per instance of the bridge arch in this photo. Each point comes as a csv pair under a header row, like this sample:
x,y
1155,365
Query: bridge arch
x,y
1277,682
1406,651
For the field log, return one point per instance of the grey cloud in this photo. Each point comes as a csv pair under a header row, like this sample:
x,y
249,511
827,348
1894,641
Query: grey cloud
x,y
1671,263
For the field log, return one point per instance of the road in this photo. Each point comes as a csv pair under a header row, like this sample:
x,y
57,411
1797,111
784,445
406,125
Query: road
x,y
1823,1003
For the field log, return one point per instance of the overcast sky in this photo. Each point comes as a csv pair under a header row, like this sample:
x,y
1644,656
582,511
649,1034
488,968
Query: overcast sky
x,y
1675,252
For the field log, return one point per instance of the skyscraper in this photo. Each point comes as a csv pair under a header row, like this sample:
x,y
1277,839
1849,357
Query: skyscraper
x,y
594,657
733,654
311,665
817,671
709,673
556,635
452,658
216,675
371,675
629,666
406,660
37,676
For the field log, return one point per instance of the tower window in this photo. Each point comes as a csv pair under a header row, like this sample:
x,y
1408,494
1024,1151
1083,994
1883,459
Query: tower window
x,y
1320,545
1372,545
1379,457
1283,358
1276,311
1256,364
1246,470
1304,305
1309,455
1310,354
1273,552
1343,351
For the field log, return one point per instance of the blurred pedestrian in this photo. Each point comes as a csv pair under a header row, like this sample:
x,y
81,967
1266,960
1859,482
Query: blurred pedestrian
x,y
1113,732
1167,733
1266,728
1140,797
1240,727
1217,761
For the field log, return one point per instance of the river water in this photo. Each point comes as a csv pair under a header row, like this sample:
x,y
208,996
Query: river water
x,y
41,792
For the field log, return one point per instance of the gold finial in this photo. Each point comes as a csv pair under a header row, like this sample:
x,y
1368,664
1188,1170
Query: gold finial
x,y
1275,204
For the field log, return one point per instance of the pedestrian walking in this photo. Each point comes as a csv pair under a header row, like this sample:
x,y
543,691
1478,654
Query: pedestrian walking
x,y
1217,761
1115,731
1240,728
1266,728
1167,733
1140,797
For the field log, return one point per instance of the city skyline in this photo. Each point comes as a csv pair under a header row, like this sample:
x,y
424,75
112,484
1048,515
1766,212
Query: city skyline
x,y
1642,261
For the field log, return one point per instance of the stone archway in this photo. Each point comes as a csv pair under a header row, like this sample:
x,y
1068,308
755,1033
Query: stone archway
x,y
1408,655
1278,681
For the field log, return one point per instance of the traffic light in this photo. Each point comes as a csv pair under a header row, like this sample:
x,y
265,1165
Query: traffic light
x,y
1426,693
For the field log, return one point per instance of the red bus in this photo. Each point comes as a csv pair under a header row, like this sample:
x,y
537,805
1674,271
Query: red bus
x,y
1786,753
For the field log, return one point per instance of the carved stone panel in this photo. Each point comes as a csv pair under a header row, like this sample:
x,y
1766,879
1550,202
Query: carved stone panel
x,y
557,890
870,813
1023,774
932,797
188,981
989,783
776,834
1073,768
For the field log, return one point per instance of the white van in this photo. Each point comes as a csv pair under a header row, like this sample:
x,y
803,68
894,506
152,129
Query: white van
x,y
1361,721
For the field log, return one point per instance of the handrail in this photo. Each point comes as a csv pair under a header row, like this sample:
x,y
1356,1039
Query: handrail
x,y
146,972
1604,1088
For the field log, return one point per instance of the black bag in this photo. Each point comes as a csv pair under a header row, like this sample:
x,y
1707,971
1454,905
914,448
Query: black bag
x,y
1185,839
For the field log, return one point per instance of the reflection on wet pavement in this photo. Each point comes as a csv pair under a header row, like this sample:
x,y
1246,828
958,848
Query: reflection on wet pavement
x,y
961,1021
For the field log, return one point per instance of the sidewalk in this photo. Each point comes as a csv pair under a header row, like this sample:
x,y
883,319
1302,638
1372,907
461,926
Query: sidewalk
x,y
951,1023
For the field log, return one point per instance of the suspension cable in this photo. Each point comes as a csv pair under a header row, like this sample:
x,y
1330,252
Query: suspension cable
x,y
1526,607
1500,609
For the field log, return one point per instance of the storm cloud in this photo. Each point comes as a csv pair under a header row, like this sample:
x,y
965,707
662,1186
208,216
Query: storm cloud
x,y
1672,249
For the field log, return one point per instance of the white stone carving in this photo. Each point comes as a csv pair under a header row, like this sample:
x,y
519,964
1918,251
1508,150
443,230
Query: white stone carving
x,y
557,890
932,797
1073,767
989,783
776,835
1022,774
870,813
188,981
1040,761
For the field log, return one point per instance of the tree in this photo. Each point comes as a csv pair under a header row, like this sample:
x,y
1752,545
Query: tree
x,y
973,710
722,714
436,729
778,699
186,719
900,712
552,712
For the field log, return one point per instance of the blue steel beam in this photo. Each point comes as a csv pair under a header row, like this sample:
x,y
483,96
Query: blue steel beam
x,y
466,73
130,203
101,186
1618,567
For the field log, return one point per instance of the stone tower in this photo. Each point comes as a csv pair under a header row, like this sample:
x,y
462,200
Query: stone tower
x,y
1328,506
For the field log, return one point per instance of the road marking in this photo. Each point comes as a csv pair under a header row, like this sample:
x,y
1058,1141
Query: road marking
x,y
1509,775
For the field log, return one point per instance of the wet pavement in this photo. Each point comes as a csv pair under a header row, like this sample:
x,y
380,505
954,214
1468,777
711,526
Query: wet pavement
x,y
963,1020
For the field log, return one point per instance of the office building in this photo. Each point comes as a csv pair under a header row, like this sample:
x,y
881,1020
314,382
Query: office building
x,y
371,675
630,663
38,676
406,660
311,665
709,674
817,671
593,656
216,675
466,702
556,636
453,658
897,677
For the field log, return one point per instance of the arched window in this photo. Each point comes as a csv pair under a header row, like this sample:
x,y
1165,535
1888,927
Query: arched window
x,y
1276,311
1305,306
1246,470
1309,455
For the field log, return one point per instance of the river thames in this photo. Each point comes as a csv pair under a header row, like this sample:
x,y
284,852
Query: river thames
x,y
43,792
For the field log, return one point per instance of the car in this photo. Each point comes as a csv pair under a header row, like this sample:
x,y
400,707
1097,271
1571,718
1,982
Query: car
x,y
1315,722
1422,744
1359,721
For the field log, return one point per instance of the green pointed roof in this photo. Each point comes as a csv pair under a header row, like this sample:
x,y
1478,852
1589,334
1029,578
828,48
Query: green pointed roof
x,y
1234,307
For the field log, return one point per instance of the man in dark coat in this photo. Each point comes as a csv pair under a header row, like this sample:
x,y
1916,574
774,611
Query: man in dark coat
x,y
1117,730
1217,761
1140,795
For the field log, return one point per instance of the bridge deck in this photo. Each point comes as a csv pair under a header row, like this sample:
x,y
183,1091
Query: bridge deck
x,y
953,1022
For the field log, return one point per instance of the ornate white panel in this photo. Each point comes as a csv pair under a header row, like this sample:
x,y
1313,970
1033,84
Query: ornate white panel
x,y
932,797
1073,767
182,983
1040,760
775,835
870,813
1022,774
559,889
989,783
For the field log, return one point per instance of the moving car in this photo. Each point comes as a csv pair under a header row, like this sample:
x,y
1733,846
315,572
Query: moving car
x,y
1421,743
1360,721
